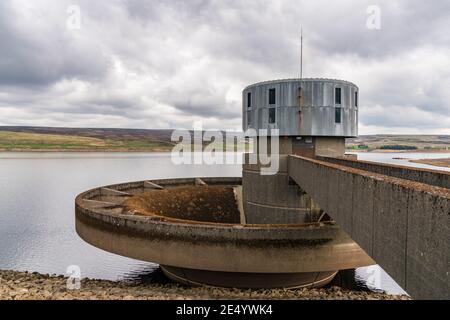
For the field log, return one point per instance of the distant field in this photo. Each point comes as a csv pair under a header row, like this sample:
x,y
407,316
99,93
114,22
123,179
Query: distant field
x,y
91,139
82,139
397,143
24,141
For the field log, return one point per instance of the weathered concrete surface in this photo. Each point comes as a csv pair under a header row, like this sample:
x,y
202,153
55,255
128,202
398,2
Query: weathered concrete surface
x,y
271,199
194,277
329,146
432,177
404,225
213,246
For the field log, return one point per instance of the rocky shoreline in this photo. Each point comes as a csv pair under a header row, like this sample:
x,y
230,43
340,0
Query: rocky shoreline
x,y
16,285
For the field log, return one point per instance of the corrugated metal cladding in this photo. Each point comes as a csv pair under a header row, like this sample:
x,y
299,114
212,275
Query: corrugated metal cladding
x,y
314,114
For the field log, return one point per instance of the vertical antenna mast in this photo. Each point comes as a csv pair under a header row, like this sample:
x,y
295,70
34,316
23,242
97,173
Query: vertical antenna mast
x,y
301,54
300,89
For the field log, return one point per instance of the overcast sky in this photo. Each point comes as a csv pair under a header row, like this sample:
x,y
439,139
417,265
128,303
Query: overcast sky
x,y
170,64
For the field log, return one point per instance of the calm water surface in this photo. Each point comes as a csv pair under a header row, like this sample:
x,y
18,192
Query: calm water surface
x,y
403,159
37,192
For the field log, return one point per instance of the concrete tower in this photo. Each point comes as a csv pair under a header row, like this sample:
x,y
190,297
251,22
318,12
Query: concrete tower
x,y
313,116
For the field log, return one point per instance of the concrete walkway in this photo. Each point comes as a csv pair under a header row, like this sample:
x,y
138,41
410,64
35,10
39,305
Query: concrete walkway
x,y
400,218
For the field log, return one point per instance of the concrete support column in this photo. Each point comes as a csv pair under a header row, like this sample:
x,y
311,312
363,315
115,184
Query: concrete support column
x,y
272,199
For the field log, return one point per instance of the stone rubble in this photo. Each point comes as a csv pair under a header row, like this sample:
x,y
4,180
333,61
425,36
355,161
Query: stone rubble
x,y
33,286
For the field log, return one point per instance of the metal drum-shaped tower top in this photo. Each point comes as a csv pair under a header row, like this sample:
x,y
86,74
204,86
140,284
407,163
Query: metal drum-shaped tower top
x,y
303,107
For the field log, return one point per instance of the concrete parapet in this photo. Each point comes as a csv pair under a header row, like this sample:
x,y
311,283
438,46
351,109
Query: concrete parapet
x,y
432,177
403,224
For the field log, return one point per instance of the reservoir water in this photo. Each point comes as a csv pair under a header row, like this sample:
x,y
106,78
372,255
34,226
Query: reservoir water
x,y
37,192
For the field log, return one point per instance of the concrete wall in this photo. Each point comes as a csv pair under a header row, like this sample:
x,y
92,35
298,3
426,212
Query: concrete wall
x,y
330,146
272,199
403,225
431,177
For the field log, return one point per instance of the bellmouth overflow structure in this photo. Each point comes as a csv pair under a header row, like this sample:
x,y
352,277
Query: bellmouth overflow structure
x,y
321,212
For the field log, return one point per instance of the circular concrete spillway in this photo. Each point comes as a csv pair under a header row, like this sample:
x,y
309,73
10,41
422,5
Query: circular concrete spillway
x,y
195,229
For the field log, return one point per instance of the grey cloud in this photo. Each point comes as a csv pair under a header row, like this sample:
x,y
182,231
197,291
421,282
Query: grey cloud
x,y
201,101
405,24
170,63
33,55
404,117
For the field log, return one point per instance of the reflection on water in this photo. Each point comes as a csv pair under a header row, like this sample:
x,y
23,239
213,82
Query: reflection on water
x,y
348,279
37,192
153,275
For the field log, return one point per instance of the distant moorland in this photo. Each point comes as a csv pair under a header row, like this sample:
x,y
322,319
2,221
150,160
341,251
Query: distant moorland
x,y
110,140
69,139
398,143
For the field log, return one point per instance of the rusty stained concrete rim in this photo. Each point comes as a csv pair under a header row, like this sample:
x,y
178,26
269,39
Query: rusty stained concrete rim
x,y
404,183
110,231
160,230
269,234
235,233
147,247
182,222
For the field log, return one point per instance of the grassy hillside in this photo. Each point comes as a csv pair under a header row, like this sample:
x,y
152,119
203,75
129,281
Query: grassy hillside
x,y
25,141
83,139
392,143
88,139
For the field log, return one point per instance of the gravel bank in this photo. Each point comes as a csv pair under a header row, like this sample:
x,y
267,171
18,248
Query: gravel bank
x,y
32,286
434,162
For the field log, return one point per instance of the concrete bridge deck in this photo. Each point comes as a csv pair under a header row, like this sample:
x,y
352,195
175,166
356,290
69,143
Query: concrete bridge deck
x,y
400,216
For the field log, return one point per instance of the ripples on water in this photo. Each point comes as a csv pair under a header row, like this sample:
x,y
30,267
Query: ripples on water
x,y
37,192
